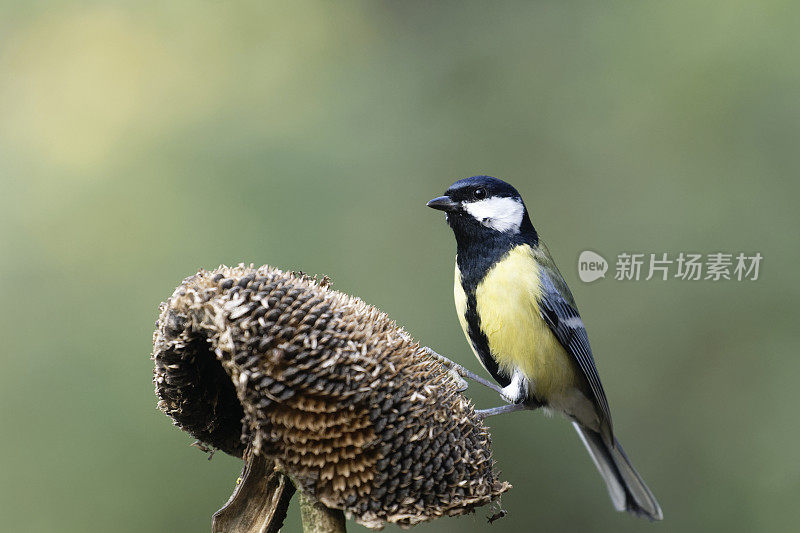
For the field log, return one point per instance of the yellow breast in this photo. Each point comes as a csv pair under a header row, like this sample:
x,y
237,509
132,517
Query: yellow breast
x,y
518,338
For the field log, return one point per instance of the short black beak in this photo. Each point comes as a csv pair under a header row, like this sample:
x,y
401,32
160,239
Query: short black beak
x,y
443,203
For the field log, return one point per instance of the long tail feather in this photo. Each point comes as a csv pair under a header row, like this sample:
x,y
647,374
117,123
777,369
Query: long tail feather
x,y
625,486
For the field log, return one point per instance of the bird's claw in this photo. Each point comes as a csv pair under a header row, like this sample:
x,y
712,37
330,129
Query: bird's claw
x,y
456,369
461,383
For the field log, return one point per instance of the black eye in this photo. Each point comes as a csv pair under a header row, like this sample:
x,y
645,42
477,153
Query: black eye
x,y
479,193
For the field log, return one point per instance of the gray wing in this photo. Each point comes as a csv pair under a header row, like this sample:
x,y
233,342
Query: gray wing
x,y
566,324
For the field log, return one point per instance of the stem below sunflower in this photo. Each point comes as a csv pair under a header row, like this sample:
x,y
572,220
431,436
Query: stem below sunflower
x,y
319,519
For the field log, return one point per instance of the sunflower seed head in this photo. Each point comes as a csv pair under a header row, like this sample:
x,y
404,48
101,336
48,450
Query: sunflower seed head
x,y
343,399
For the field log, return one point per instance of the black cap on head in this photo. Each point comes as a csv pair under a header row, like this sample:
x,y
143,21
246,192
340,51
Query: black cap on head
x,y
465,189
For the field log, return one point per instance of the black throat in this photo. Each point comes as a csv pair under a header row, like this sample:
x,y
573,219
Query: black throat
x,y
478,248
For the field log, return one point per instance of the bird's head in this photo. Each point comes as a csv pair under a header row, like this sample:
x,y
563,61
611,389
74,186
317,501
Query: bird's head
x,y
483,206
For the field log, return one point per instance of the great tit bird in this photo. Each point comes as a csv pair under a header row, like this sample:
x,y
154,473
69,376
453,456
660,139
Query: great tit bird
x,y
521,321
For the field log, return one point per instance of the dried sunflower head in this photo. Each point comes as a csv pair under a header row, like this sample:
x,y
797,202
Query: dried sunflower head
x,y
341,398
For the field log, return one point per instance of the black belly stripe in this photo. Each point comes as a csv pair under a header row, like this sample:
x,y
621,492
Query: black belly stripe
x,y
478,249
480,342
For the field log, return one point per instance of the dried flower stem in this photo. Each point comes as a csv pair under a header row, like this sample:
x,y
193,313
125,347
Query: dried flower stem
x,y
320,519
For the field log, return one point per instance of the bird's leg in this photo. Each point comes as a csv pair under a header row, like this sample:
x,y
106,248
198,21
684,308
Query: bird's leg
x,y
516,394
510,408
461,372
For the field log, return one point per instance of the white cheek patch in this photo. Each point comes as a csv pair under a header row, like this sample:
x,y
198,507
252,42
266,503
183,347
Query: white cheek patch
x,y
499,213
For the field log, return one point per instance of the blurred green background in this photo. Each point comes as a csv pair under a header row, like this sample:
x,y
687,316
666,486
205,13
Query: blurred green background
x,y
140,141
